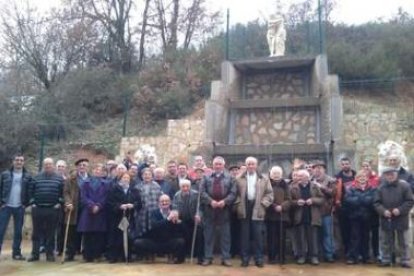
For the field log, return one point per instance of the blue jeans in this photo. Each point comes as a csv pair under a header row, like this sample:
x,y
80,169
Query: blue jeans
x,y
18,217
327,237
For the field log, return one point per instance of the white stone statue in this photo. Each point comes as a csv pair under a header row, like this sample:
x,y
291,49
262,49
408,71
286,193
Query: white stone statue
x,y
146,154
276,35
391,149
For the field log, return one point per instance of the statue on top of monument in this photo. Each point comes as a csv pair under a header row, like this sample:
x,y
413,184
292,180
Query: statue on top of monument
x,y
276,33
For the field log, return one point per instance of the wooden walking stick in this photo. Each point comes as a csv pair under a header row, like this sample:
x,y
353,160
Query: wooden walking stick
x,y
281,241
65,242
195,224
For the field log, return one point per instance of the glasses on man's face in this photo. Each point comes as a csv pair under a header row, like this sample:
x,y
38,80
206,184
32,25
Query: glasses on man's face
x,y
19,160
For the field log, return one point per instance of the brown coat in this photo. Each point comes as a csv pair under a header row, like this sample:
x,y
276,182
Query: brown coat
x,y
264,197
317,202
328,188
281,196
71,196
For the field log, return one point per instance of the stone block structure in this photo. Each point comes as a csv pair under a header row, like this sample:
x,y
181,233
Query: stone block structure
x,y
275,109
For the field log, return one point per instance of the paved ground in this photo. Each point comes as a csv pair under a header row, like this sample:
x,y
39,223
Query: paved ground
x,y
9,267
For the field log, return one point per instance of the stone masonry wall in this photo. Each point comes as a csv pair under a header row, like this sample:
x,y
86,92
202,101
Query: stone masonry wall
x,y
374,115
180,140
277,85
268,126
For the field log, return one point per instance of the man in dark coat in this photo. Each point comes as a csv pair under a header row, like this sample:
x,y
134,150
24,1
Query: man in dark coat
x,y
307,201
14,186
71,195
218,194
166,234
393,202
46,199
185,203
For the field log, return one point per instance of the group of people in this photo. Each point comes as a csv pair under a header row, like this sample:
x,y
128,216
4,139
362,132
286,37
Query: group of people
x,y
178,212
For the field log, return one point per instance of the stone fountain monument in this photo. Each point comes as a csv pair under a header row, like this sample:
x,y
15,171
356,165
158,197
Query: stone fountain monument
x,y
274,108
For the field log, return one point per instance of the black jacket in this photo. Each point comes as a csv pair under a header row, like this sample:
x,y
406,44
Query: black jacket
x,y
162,229
390,196
117,197
360,203
46,190
6,182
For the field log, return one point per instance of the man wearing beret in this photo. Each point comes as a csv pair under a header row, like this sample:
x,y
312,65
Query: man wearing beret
x,y
393,202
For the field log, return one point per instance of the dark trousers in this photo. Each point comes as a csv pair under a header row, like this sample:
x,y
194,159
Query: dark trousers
x,y
18,218
307,238
235,235
344,223
94,245
115,250
359,244
375,235
60,233
276,237
45,222
173,246
71,243
188,227
251,233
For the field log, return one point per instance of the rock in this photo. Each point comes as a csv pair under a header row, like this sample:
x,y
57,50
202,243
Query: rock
x,y
245,121
296,127
256,139
293,137
284,134
252,128
262,131
288,126
277,126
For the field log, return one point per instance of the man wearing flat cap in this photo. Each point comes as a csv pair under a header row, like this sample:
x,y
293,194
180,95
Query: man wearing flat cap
x,y
393,202
327,185
71,194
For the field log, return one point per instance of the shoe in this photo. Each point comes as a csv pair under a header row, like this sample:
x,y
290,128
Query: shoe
x,y
244,264
384,265
350,262
207,262
18,257
33,259
301,261
226,263
314,261
406,265
272,261
179,261
259,264
69,259
50,258
200,262
330,260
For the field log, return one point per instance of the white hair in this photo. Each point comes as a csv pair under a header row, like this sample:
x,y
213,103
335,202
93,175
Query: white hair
x,y
305,173
48,160
275,169
219,159
251,159
61,163
121,166
184,182
159,169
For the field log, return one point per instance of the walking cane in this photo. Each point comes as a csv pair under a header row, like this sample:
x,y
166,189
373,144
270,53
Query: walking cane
x,y
281,241
65,242
391,241
195,225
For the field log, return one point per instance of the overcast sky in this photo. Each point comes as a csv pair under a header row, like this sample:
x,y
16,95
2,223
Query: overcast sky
x,y
347,11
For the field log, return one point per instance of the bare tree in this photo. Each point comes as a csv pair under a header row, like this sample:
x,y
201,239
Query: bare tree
x,y
49,44
114,16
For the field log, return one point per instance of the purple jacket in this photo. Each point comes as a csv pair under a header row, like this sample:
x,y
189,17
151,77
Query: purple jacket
x,y
93,192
